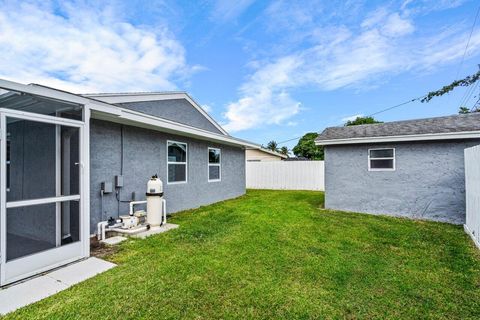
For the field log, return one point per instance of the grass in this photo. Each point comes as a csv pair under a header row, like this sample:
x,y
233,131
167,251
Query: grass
x,y
278,254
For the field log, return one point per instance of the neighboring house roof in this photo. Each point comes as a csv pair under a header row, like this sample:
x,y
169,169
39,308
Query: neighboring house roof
x,y
278,154
110,112
124,97
464,126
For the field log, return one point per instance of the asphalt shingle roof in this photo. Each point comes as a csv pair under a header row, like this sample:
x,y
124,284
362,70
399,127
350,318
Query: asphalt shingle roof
x,y
456,123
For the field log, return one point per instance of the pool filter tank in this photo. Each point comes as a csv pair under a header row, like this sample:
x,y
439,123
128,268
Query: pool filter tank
x,y
154,201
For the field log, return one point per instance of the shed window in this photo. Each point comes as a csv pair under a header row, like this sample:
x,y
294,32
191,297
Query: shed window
x,y
381,159
214,164
177,162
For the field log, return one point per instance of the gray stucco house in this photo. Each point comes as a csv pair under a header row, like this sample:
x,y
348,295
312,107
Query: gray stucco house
x,y
58,148
411,168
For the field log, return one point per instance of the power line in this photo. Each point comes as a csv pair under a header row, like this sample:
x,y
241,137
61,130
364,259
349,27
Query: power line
x,y
375,113
468,43
396,106
467,92
466,97
289,140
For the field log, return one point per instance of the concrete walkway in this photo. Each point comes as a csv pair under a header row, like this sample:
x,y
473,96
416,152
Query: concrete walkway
x,y
38,288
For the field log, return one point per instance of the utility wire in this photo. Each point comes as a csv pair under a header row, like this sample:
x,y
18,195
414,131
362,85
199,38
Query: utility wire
x,y
467,92
372,114
468,43
462,101
474,88
396,106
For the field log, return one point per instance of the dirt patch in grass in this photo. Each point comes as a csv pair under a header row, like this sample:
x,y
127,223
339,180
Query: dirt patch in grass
x,y
101,250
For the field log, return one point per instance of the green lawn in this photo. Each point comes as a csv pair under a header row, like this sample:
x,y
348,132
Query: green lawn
x,y
278,254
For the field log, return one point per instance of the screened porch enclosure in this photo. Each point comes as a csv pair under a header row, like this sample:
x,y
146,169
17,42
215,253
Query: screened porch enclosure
x,y
32,165
41,182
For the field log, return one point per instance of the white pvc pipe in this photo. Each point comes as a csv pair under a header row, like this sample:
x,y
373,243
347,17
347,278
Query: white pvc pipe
x,y
101,230
132,203
164,207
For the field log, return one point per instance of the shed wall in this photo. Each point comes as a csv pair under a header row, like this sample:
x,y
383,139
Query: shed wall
x,y
428,183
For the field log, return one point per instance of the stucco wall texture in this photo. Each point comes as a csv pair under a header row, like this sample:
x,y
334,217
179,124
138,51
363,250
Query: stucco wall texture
x,y
178,110
428,183
144,154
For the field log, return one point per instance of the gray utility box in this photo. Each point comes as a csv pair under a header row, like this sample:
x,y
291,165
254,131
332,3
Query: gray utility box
x,y
106,187
118,181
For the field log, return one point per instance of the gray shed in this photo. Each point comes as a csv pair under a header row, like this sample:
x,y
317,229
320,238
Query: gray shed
x,y
412,168
58,148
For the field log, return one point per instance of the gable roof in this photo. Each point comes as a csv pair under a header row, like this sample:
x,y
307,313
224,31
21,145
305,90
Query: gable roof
x,y
125,97
464,126
110,112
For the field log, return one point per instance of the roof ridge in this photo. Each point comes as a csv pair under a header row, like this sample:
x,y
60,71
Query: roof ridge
x,y
424,126
412,120
133,93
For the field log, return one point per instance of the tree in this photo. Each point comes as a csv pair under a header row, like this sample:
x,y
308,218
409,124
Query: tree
x,y
463,110
272,145
465,82
361,120
306,147
284,150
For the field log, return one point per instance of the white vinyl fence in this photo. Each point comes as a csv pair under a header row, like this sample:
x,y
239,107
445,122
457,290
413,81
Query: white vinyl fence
x,y
472,190
286,175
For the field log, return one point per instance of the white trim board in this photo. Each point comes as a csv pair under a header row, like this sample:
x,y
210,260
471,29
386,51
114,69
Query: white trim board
x,y
413,137
109,112
138,119
51,93
154,96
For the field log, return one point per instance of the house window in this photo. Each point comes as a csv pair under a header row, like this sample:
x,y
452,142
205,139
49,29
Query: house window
x,y
214,164
381,159
177,162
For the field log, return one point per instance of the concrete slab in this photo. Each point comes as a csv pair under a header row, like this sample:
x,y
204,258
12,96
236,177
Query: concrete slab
x,y
36,289
113,240
80,271
28,292
155,230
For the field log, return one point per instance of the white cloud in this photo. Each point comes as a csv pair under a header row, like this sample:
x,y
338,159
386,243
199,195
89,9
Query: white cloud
x,y
382,45
264,100
86,49
207,108
351,118
396,26
425,6
227,10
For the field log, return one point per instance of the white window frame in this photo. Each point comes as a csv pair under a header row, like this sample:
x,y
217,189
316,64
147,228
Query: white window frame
x,y
384,158
37,263
174,162
219,165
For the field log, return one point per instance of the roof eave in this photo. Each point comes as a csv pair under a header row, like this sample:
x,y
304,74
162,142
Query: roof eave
x,y
402,138
110,112
138,119
115,98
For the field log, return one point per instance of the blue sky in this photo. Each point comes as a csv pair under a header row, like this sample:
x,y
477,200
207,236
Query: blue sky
x,y
266,70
